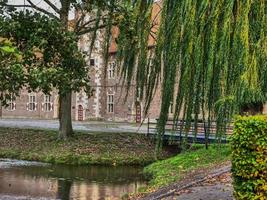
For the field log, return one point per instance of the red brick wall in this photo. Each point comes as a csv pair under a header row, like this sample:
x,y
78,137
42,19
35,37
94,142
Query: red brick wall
x,y
21,107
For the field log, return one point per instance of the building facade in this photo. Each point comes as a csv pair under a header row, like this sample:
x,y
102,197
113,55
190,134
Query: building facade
x,y
108,100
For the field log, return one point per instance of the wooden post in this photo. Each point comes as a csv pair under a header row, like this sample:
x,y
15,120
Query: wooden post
x,y
0,109
148,127
138,112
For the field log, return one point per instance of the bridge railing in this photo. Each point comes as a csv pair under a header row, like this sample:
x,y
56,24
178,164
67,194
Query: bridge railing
x,y
180,126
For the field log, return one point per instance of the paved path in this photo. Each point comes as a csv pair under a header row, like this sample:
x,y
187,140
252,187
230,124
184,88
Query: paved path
x,y
99,127
8,197
219,188
204,185
77,126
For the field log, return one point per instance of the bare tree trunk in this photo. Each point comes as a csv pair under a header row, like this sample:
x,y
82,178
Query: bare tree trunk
x,y
65,121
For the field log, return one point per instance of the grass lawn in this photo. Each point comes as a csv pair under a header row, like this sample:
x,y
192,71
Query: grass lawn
x,y
82,149
171,170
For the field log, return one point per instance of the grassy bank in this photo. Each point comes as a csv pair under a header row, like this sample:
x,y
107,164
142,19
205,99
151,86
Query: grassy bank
x,y
82,149
171,170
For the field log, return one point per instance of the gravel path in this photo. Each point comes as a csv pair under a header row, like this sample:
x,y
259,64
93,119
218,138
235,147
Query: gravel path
x,y
91,126
78,126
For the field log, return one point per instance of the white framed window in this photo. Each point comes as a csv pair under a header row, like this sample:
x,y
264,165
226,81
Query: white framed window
x,y
110,103
98,33
47,106
111,70
32,104
96,61
11,105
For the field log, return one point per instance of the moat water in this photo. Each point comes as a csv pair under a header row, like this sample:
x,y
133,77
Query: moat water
x,y
22,180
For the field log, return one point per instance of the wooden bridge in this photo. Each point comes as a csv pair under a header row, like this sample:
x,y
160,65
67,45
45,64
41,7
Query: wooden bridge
x,y
178,131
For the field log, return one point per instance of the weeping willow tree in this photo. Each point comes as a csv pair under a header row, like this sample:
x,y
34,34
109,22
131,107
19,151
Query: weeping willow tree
x,y
210,58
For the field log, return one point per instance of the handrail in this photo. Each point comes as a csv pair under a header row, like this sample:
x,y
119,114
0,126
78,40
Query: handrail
x,y
180,126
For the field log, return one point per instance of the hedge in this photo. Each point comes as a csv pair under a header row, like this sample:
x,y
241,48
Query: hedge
x,y
249,158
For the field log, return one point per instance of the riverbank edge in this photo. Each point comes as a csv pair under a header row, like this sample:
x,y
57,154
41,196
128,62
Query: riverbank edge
x,y
163,174
112,149
68,159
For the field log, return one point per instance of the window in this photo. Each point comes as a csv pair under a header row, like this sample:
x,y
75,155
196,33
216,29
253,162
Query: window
x,y
111,103
11,105
111,70
32,105
96,61
47,105
92,62
97,44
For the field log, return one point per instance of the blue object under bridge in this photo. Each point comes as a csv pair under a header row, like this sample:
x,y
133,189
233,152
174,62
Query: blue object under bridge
x,y
195,133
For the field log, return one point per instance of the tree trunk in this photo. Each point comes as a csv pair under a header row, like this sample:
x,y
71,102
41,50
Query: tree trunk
x,y
64,189
65,121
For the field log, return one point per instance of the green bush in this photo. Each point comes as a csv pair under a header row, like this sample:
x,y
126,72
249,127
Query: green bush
x,y
249,158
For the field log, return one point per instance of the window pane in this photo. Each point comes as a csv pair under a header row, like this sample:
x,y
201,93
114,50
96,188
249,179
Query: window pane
x,y
110,102
92,62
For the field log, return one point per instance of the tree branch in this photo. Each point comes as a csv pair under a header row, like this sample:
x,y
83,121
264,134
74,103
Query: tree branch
x,y
32,5
151,35
79,21
52,6
17,6
80,27
83,26
90,29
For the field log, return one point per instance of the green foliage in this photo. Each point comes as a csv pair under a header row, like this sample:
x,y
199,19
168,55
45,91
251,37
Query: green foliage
x,y
134,25
210,57
55,38
11,71
50,54
249,158
171,170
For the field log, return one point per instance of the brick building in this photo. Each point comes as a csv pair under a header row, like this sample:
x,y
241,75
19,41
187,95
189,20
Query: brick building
x,y
108,99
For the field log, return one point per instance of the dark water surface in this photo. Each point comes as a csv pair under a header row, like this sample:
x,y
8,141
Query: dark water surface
x,y
21,180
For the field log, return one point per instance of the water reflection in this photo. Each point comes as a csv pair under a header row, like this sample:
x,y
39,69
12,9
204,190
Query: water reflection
x,y
64,182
